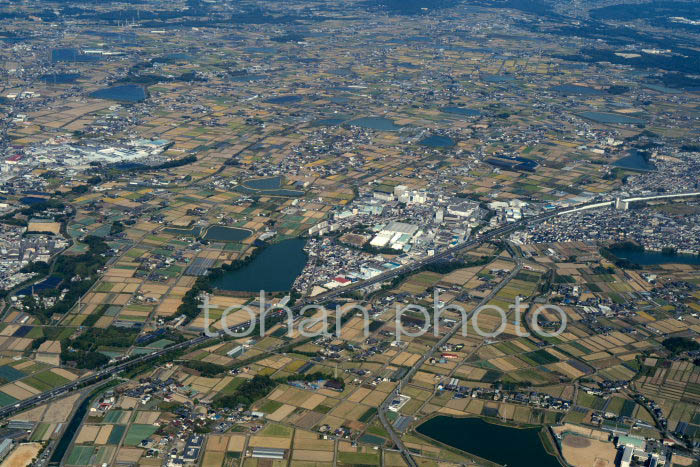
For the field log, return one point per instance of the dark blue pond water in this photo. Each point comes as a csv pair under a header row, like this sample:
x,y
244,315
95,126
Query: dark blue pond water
x,y
32,200
504,445
48,283
124,93
340,72
437,141
375,123
498,78
461,111
650,258
193,232
60,78
268,183
273,270
72,55
284,99
220,233
604,117
267,186
635,161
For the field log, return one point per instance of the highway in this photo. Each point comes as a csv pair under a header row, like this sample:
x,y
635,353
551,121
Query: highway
x,y
448,252
407,377
604,204
318,299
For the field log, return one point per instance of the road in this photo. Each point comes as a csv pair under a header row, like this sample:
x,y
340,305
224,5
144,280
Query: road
x,y
119,367
319,299
488,236
449,335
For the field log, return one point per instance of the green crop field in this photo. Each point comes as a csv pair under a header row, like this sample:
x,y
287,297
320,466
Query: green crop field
x,y
113,416
6,399
356,458
10,374
38,384
115,436
137,433
104,454
80,455
39,431
50,378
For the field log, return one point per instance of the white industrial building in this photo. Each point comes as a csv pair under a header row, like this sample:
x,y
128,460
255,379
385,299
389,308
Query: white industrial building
x,y
5,447
397,235
464,209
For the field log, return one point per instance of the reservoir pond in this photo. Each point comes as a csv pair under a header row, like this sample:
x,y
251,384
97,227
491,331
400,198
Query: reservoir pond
x,y
220,233
437,141
514,447
603,117
650,258
461,111
124,93
375,123
274,269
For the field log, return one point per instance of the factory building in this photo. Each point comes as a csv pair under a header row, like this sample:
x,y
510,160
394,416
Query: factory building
x,y
5,447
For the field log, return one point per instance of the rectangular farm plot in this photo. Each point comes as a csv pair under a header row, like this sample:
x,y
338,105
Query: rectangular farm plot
x,y
217,443
270,442
305,455
115,416
64,374
282,412
80,455
49,379
87,434
129,455
9,373
45,431
354,457
146,418
6,399
115,436
17,391
104,434
309,441
359,394
213,459
104,454
138,433
349,411
236,443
